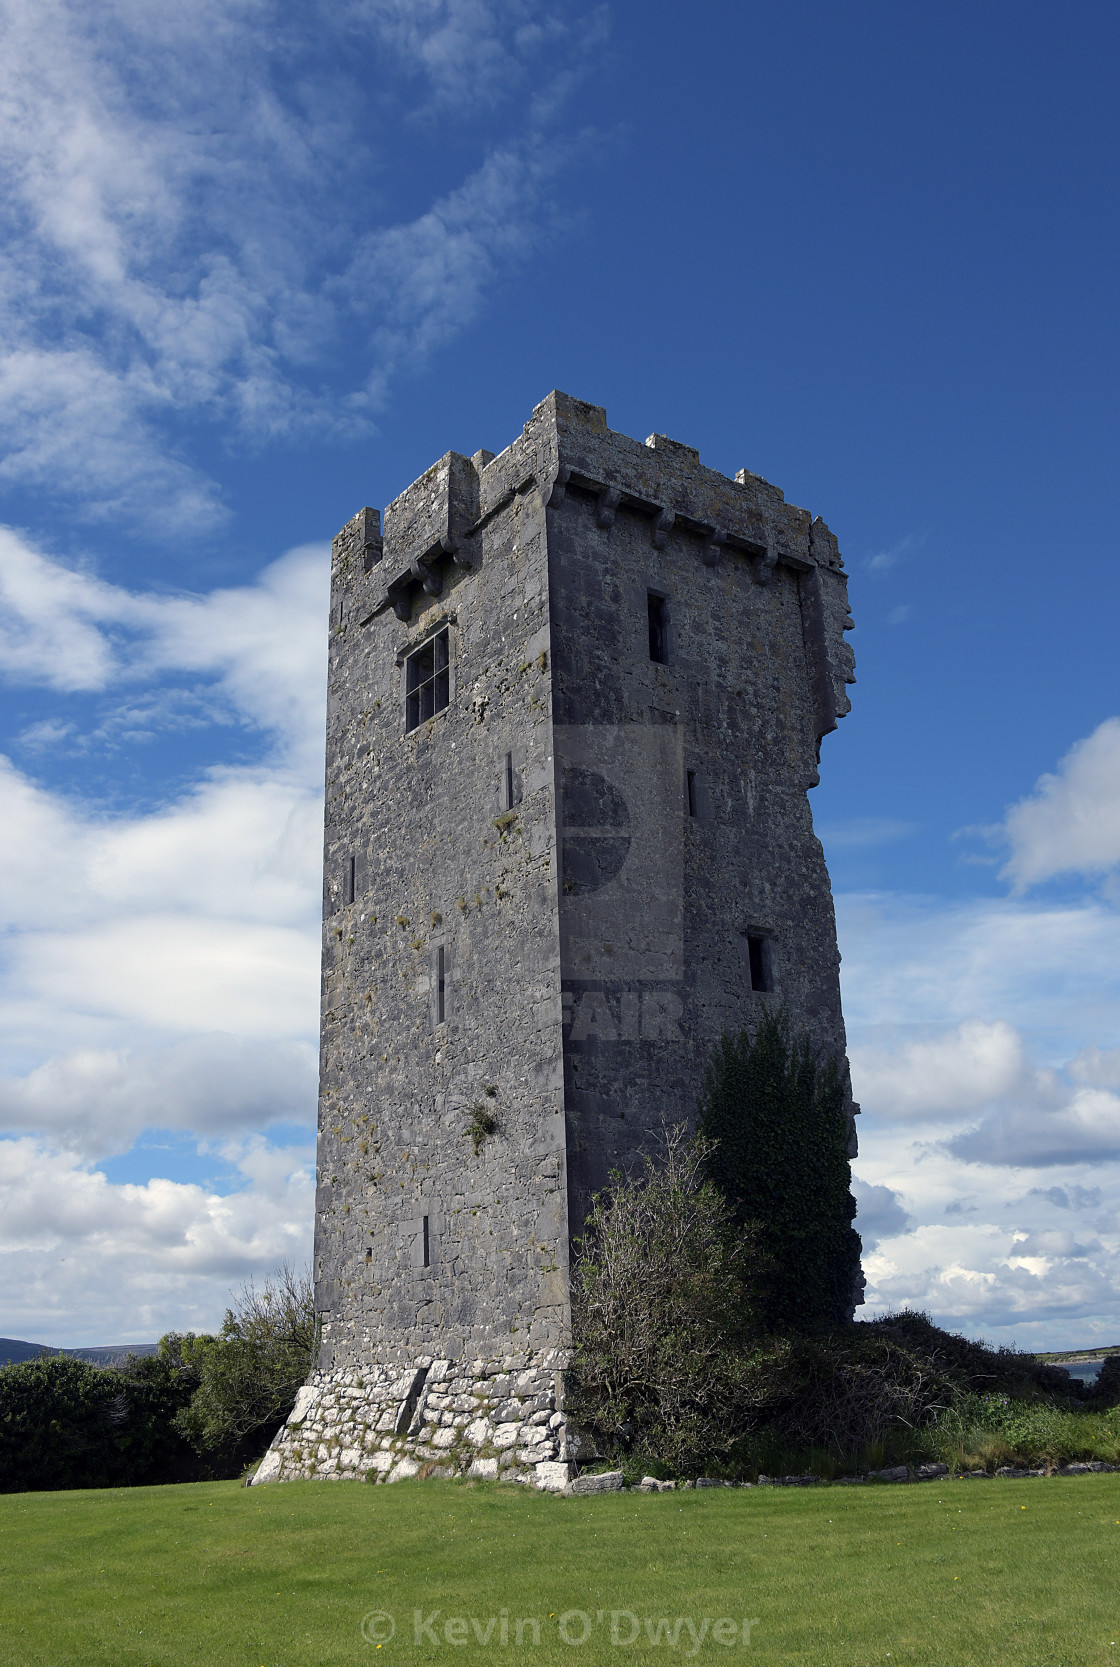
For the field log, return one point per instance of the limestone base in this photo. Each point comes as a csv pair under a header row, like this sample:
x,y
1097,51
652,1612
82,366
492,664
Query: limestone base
x,y
485,1418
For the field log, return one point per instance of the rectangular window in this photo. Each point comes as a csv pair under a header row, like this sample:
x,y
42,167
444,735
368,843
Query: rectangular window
x,y
511,785
758,949
349,887
441,985
427,1245
690,776
427,681
658,634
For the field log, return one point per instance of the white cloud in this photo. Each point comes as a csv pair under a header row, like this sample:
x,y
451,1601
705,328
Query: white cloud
x,y
52,619
1085,1125
160,966
202,915
471,51
859,832
1070,824
421,282
883,560
97,1102
1069,1198
258,650
1099,1067
983,1043
83,1259
1036,1289
124,931
942,1076
879,1213
176,973
188,186
913,965
264,642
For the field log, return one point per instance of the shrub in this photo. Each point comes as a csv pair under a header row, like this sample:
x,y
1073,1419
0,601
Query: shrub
x,y
67,1424
874,1383
248,1375
1106,1390
669,1360
775,1116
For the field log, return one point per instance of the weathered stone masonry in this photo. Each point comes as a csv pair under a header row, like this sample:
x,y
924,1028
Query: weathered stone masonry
x,y
576,698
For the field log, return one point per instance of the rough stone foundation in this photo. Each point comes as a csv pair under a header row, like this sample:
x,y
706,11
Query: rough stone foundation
x,y
484,1418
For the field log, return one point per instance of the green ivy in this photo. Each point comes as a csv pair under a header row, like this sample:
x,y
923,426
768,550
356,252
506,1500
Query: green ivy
x,y
776,1113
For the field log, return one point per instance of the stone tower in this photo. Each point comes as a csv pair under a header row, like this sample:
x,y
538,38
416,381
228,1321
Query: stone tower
x,y
577,693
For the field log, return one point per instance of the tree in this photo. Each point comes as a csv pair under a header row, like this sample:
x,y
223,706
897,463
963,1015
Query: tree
x,y
668,1359
775,1114
249,1374
67,1424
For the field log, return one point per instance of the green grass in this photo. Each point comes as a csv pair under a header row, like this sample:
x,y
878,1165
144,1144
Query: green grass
x,y
1078,1354
983,1432
1019,1574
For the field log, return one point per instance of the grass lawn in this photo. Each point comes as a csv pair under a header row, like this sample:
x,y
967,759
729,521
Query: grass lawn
x,y
1007,1572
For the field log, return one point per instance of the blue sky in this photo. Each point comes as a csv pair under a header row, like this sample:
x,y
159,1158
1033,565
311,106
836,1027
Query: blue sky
x,y
262,264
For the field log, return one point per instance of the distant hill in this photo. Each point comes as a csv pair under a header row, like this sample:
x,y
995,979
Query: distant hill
x,y
12,1351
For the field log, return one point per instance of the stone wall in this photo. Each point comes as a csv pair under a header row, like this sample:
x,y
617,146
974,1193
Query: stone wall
x,y
379,1424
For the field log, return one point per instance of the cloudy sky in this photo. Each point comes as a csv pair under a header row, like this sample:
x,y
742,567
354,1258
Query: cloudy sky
x,y
259,265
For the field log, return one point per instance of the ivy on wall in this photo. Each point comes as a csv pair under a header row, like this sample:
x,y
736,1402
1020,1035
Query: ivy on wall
x,y
776,1114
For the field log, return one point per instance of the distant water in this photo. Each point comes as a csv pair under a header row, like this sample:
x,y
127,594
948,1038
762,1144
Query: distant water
x,y
1086,1371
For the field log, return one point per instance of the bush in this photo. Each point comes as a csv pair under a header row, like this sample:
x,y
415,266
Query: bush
x,y
776,1118
876,1383
669,1360
66,1424
675,1373
249,1374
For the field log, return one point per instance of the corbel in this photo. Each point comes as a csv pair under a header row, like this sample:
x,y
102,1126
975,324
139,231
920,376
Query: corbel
x,y
765,564
711,550
430,580
552,488
663,523
455,546
609,499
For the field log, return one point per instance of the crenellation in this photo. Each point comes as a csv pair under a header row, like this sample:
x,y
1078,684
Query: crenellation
x,y
539,901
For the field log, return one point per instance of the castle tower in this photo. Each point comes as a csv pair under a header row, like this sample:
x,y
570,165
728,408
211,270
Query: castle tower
x,y
576,698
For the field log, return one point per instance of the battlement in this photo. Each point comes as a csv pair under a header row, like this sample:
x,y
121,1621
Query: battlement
x,y
434,525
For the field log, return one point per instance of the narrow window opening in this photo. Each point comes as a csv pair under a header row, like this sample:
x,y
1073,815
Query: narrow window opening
x,y
427,1245
441,985
350,873
658,635
509,781
690,776
427,682
758,949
